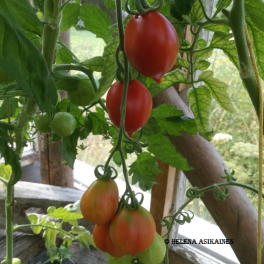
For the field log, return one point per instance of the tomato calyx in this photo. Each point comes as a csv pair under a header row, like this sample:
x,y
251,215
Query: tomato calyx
x,y
107,173
131,202
142,7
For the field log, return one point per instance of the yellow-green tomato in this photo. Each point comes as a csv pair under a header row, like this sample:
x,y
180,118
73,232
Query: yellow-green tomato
x,y
63,124
42,123
155,253
4,78
84,93
16,261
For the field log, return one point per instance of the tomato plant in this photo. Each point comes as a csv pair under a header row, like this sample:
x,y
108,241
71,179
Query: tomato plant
x,y
42,123
132,231
155,253
63,124
138,106
4,78
151,44
102,240
99,202
84,93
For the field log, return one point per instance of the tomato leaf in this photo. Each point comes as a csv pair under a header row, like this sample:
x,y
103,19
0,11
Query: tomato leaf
x,y
183,63
217,28
257,38
94,64
68,148
225,42
200,101
197,12
202,65
160,146
12,108
62,213
100,125
50,238
110,4
254,10
34,219
90,15
22,14
85,239
9,155
221,4
18,57
63,55
176,76
109,69
178,8
218,90
143,171
70,16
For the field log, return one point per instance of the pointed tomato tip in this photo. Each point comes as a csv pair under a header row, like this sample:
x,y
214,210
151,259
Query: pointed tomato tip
x,y
158,80
130,135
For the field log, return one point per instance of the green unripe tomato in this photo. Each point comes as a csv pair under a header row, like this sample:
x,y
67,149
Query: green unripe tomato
x,y
155,253
84,93
42,123
16,261
4,78
63,124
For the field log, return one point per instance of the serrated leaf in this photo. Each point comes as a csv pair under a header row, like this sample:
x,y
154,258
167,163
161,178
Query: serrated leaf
x,y
221,4
257,41
70,16
143,171
176,76
201,43
90,15
160,146
202,65
217,28
122,260
73,222
100,124
183,63
63,56
12,108
68,148
34,219
169,120
254,10
218,90
50,239
224,42
94,64
197,11
21,14
19,57
200,102
151,127
204,54
62,213
109,69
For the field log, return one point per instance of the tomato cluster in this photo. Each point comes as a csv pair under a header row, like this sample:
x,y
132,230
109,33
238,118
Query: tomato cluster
x,y
125,232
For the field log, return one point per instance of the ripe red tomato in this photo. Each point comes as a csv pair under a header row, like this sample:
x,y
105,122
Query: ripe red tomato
x,y
132,231
151,44
99,202
103,240
138,105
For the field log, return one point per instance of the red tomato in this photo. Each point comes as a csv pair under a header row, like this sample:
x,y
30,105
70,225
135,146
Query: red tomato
x,y
103,240
99,202
151,44
132,231
138,105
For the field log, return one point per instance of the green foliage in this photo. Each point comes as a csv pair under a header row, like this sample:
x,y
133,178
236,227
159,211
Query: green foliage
x,y
62,213
70,16
90,15
12,102
94,64
99,123
143,171
179,8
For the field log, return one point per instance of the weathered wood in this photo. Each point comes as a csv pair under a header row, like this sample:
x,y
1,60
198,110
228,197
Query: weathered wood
x,y
34,195
162,195
236,217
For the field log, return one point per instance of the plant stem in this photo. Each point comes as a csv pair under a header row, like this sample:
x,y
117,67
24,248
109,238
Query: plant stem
x,y
9,222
